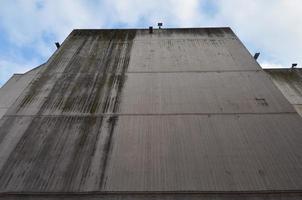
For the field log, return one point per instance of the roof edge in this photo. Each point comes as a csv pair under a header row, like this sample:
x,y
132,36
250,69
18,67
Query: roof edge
x,y
169,28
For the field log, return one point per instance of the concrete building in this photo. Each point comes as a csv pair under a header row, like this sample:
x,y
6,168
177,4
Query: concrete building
x,y
134,114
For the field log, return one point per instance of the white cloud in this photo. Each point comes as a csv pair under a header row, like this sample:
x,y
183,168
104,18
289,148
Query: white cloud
x,y
26,22
171,12
271,26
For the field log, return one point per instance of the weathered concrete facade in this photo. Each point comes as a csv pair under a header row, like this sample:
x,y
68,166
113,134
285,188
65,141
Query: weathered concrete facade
x,y
289,81
14,87
177,114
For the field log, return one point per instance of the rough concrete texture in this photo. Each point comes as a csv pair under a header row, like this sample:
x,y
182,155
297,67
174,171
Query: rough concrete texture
x,y
13,88
289,81
177,114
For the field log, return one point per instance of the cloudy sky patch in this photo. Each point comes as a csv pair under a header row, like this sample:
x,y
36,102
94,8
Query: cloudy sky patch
x,y
29,28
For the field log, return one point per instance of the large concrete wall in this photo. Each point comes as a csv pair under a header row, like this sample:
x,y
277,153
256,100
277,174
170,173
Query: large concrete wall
x,y
177,112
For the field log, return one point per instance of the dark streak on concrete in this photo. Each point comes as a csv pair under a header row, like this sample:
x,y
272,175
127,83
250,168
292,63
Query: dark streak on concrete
x,y
53,154
45,77
107,149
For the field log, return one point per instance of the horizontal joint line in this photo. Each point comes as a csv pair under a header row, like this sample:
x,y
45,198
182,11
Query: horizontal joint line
x,y
145,114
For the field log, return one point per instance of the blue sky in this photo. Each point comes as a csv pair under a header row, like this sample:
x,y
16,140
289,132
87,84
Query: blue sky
x,y
29,28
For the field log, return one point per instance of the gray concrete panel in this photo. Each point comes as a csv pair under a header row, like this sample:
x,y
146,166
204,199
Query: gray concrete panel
x,y
211,92
14,87
51,154
2,112
298,109
289,81
151,153
206,153
183,54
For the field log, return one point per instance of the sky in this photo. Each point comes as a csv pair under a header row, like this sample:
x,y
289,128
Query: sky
x,y
29,28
